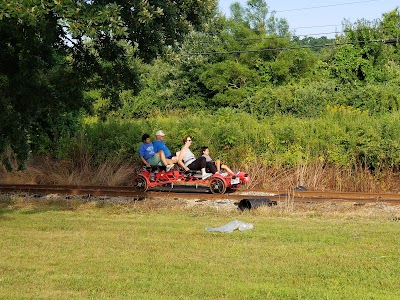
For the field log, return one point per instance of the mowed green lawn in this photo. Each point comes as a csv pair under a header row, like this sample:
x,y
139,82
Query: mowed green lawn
x,y
133,252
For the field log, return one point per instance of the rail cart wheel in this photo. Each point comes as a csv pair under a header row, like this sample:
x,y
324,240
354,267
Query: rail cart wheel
x,y
217,186
140,183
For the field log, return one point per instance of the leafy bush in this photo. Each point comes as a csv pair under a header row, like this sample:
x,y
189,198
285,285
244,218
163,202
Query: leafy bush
x,y
342,136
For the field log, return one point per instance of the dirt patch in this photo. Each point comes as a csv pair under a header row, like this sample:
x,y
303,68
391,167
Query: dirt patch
x,y
335,210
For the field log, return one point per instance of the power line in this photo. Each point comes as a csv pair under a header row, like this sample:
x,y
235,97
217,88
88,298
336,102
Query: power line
x,y
378,29
316,26
323,6
248,40
388,41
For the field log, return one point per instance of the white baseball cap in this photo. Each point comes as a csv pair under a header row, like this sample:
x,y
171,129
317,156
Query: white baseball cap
x,y
160,132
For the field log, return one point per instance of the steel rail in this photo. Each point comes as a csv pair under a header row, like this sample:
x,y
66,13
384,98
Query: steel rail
x,y
168,192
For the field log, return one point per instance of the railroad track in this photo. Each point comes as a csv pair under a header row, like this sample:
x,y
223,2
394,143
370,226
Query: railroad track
x,y
126,191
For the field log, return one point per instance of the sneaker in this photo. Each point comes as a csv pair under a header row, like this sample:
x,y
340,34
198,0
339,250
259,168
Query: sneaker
x,y
219,172
206,175
169,167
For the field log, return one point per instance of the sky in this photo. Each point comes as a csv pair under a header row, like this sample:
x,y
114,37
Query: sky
x,y
317,18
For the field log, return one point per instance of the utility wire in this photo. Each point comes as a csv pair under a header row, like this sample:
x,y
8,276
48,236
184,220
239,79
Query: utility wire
x,y
321,33
316,26
389,41
323,6
249,40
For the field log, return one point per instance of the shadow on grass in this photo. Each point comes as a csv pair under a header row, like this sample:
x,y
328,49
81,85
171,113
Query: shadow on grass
x,y
4,214
33,205
5,203
9,205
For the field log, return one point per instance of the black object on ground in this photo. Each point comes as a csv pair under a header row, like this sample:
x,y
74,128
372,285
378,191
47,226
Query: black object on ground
x,y
254,203
300,188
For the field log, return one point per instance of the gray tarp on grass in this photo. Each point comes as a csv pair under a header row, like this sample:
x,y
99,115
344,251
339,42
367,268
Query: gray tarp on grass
x,y
231,226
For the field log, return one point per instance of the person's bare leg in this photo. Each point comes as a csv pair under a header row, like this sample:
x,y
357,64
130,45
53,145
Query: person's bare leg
x,y
218,165
163,158
169,163
227,169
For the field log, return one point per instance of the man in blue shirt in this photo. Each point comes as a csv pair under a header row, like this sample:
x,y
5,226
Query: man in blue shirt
x,y
159,144
149,156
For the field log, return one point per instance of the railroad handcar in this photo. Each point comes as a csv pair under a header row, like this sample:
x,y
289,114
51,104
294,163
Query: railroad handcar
x,y
158,177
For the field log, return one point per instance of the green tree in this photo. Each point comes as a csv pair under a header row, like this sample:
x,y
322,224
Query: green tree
x,y
315,44
50,52
361,58
256,15
390,27
227,81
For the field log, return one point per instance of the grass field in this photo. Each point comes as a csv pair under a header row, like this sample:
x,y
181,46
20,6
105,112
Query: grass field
x,y
156,250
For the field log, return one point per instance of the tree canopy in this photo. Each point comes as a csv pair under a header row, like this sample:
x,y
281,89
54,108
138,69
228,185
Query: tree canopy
x,y
52,51
64,59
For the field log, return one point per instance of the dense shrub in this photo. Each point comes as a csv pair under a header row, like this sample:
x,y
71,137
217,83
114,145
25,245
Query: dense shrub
x,y
341,136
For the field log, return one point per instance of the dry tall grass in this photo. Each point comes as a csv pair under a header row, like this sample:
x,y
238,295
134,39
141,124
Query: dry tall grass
x,y
313,177
323,178
49,171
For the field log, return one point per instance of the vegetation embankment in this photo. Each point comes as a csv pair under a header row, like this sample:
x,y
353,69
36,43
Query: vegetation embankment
x,y
344,150
93,78
159,250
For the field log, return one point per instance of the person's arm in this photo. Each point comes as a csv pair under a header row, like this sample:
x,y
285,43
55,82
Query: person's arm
x,y
141,154
144,161
180,160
